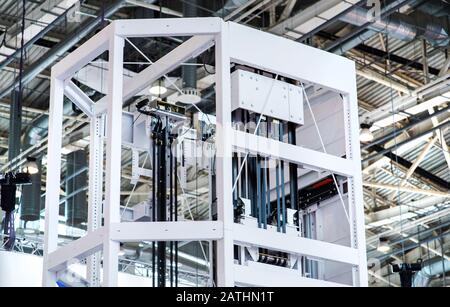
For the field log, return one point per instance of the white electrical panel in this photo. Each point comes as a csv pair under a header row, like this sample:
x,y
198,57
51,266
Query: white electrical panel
x,y
263,95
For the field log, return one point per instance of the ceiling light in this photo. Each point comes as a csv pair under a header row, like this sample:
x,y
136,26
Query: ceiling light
x,y
383,245
365,135
30,231
158,89
31,166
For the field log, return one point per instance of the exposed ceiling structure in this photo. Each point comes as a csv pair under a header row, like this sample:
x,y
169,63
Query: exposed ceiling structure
x,y
403,78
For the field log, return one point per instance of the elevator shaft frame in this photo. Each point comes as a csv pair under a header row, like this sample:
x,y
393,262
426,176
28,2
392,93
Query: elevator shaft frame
x,y
233,43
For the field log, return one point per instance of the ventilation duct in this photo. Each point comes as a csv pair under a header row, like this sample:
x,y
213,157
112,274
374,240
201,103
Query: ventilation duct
x,y
435,8
31,194
430,269
405,27
30,208
189,71
230,6
76,182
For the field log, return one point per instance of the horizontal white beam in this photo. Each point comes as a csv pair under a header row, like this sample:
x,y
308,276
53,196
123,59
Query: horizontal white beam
x,y
164,65
167,231
78,97
249,46
265,275
167,27
295,245
84,54
76,250
245,142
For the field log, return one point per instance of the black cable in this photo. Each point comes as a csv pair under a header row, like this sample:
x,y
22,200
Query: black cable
x,y
3,43
21,62
204,65
136,119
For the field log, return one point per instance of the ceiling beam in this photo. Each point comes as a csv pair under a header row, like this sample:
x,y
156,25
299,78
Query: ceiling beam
x,y
435,180
395,58
288,9
416,163
398,188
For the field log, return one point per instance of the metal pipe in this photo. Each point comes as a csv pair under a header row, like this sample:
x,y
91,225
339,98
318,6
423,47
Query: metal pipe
x,y
364,23
76,205
35,38
329,22
404,27
405,189
392,148
397,132
430,269
54,53
361,37
230,6
189,72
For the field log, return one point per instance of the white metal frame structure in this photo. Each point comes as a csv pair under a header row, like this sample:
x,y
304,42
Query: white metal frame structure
x,y
233,43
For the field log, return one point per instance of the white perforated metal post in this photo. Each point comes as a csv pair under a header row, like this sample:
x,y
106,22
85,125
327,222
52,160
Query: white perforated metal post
x,y
95,193
225,255
111,211
356,200
53,177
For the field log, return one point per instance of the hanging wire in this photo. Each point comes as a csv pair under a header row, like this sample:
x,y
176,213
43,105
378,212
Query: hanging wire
x,y
395,134
172,83
325,151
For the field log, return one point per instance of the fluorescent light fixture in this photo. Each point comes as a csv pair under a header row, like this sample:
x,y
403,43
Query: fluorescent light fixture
x,y
365,135
383,245
158,90
31,166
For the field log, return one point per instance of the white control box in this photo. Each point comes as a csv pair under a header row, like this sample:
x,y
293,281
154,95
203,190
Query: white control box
x,y
263,95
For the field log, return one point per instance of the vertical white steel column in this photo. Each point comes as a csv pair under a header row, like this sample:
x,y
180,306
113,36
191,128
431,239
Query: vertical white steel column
x,y
95,193
225,254
53,177
355,194
113,159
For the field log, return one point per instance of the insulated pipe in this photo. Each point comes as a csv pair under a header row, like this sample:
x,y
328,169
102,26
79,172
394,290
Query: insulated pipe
x,y
392,148
435,8
363,34
405,27
397,132
189,72
430,269
38,129
229,7
56,52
